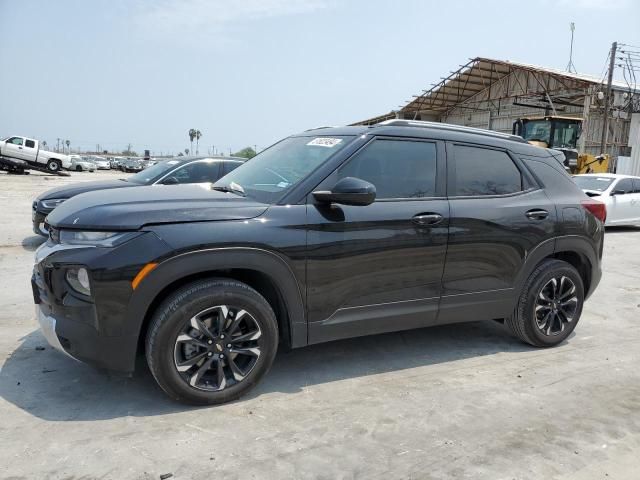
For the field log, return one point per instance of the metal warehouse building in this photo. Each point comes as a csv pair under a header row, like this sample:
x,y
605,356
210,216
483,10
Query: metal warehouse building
x,y
493,94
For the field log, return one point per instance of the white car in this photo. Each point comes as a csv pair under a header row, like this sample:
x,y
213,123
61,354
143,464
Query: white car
x,y
81,164
620,193
101,163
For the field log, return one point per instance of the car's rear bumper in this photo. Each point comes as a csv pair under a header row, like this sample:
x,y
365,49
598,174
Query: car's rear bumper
x,y
596,276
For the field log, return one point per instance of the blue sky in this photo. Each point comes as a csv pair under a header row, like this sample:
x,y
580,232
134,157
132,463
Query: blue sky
x,y
249,72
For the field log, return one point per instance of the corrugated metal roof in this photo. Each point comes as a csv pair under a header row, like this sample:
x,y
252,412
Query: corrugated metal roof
x,y
477,75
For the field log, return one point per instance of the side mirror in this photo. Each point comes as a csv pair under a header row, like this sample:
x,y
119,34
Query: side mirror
x,y
348,191
617,192
170,181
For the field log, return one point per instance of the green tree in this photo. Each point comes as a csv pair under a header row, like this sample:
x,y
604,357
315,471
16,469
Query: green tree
x,y
68,144
186,151
198,134
247,152
192,135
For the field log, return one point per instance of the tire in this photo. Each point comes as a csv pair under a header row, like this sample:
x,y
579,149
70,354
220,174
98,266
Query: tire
x,y
528,320
201,383
54,166
78,168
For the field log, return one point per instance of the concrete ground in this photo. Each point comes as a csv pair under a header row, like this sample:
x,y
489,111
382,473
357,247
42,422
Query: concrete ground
x,y
461,401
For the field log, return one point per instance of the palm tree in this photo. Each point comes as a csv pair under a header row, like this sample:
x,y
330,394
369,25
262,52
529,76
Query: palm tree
x,y
67,143
186,151
44,144
192,135
198,135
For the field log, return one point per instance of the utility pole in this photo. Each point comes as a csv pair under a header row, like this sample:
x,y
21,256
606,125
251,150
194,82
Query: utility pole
x,y
58,145
571,68
607,99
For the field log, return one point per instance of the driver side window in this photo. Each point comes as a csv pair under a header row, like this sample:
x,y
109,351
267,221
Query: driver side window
x,y
397,168
15,141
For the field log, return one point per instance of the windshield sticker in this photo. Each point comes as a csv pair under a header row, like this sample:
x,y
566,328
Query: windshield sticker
x,y
325,142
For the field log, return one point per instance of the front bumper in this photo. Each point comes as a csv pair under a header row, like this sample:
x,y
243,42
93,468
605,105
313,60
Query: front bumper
x,y
48,329
93,329
37,219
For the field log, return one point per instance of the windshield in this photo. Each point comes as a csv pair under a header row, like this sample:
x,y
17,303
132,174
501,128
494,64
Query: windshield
x,y
539,130
565,134
268,176
149,174
599,184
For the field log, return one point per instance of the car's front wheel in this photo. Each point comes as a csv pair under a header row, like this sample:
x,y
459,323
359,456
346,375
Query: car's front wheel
x,y
549,306
211,341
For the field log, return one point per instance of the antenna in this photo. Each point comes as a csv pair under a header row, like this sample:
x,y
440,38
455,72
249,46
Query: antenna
x,y
571,68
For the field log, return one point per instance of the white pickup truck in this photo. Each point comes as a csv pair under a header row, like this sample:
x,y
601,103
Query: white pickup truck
x,y
22,149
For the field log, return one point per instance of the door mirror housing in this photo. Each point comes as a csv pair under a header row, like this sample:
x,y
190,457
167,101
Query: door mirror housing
x,y
348,191
618,192
170,181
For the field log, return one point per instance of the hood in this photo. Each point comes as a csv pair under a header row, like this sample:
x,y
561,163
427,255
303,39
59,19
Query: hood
x,y
68,191
135,207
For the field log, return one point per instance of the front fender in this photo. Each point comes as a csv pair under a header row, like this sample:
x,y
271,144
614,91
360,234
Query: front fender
x,y
210,260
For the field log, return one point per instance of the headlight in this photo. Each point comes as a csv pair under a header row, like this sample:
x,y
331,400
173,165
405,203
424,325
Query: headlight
x,y
95,239
52,203
78,278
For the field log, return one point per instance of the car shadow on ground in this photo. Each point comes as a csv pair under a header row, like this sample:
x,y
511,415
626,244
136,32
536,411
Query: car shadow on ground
x,y
32,243
622,229
49,385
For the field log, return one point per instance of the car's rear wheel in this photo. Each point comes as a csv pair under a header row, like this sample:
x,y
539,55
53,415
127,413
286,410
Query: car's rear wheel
x,y
78,168
54,165
211,341
549,306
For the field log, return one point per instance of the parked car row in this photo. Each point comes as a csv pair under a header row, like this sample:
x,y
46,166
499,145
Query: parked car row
x,y
24,153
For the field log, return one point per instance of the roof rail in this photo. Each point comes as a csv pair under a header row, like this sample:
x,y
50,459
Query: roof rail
x,y
318,128
451,127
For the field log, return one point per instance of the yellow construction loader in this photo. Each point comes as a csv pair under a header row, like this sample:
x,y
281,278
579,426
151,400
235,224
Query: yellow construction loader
x,y
561,133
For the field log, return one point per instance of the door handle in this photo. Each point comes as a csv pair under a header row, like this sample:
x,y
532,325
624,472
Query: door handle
x,y
537,214
427,219
19,148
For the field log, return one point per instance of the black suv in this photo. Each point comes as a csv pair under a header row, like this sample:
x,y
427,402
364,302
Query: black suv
x,y
332,233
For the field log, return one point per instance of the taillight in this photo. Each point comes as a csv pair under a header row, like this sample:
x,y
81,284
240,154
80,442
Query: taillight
x,y
598,209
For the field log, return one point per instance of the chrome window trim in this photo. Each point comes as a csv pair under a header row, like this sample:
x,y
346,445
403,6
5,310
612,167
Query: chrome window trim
x,y
201,160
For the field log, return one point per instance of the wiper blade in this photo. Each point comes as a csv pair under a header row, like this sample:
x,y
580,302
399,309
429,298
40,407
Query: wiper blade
x,y
231,188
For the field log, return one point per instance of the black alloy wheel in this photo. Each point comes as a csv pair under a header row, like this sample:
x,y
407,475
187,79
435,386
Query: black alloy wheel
x,y
211,341
218,347
549,306
556,305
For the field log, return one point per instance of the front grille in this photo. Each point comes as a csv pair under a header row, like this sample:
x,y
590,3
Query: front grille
x,y
54,233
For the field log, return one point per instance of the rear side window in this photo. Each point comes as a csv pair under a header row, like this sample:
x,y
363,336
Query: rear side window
x,y
30,143
198,172
229,167
636,185
483,171
625,185
397,168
